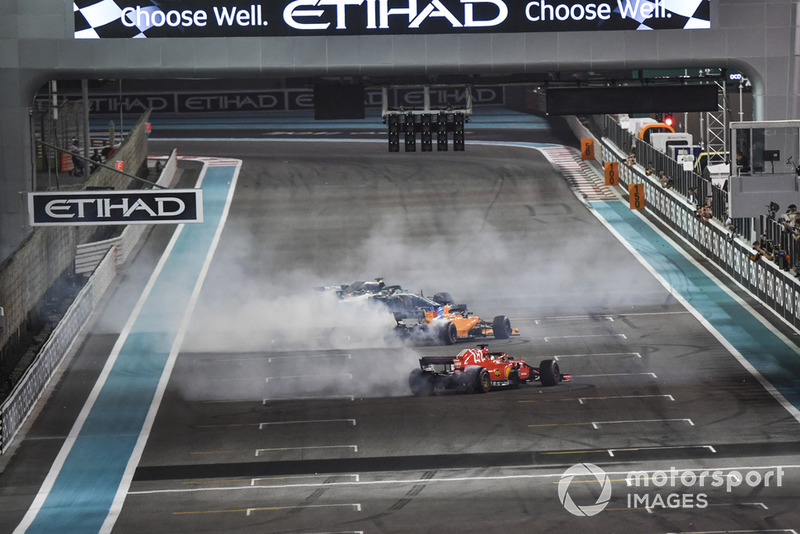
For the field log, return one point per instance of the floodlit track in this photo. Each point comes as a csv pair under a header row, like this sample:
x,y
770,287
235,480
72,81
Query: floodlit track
x,y
287,413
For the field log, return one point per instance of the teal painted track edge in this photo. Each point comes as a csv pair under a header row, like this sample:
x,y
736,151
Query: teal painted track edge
x,y
768,355
85,494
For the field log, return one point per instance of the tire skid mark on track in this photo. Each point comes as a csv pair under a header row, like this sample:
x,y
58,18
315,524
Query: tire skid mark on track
x,y
447,461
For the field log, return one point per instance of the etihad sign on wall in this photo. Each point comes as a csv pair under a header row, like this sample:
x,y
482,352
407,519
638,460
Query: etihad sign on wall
x,y
163,206
225,18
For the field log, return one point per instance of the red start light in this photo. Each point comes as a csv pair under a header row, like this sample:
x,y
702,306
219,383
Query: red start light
x,y
668,120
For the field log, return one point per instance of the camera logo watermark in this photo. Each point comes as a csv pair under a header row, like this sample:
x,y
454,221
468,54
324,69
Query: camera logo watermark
x,y
670,489
584,470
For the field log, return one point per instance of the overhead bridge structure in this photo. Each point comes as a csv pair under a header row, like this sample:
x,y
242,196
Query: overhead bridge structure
x,y
417,41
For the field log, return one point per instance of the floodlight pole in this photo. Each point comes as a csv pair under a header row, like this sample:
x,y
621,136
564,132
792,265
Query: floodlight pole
x,y
741,111
86,135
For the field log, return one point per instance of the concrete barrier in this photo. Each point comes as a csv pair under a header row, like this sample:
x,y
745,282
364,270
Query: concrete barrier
x,y
29,389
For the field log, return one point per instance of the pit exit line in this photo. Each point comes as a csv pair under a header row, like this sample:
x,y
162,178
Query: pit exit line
x,y
556,477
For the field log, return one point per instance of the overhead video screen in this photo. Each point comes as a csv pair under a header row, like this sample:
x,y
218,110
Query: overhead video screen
x,y
597,101
136,19
336,102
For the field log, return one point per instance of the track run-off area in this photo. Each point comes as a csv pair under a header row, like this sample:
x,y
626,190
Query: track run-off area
x,y
218,390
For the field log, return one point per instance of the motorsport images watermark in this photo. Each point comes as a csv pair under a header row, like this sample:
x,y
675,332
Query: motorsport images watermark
x,y
671,489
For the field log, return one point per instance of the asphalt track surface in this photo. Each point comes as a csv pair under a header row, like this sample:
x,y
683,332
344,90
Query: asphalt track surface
x,y
285,412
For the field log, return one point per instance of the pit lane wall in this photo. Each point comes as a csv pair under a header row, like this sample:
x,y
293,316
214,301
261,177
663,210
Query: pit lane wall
x,y
15,410
90,255
48,252
775,288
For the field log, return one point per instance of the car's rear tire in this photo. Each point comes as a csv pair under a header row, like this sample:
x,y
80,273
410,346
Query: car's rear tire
x,y
421,383
501,327
549,373
448,333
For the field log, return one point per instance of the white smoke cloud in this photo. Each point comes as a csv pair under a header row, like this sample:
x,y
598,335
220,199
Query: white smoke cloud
x,y
500,256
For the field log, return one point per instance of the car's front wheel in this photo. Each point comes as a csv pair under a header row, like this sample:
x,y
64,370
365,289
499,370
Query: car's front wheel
x,y
549,373
513,378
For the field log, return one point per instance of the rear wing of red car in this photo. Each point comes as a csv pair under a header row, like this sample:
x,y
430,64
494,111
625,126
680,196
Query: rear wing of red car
x,y
436,360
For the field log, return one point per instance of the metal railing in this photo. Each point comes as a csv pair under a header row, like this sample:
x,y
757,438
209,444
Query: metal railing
x,y
18,405
730,250
683,182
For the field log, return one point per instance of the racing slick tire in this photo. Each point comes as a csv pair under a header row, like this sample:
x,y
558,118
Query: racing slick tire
x,y
549,373
421,383
477,380
513,379
448,333
501,327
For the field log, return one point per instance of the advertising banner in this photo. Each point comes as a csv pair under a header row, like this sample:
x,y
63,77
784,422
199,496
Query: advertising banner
x,y
268,100
126,19
163,206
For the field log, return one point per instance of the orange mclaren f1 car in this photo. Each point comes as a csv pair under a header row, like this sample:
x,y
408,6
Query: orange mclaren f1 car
x,y
439,319
424,319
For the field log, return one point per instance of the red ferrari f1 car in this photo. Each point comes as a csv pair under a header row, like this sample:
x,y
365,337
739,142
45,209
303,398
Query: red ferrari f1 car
x,y
478,371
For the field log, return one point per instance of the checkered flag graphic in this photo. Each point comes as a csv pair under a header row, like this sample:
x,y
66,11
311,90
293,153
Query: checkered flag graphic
x,y
685,14
102,19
